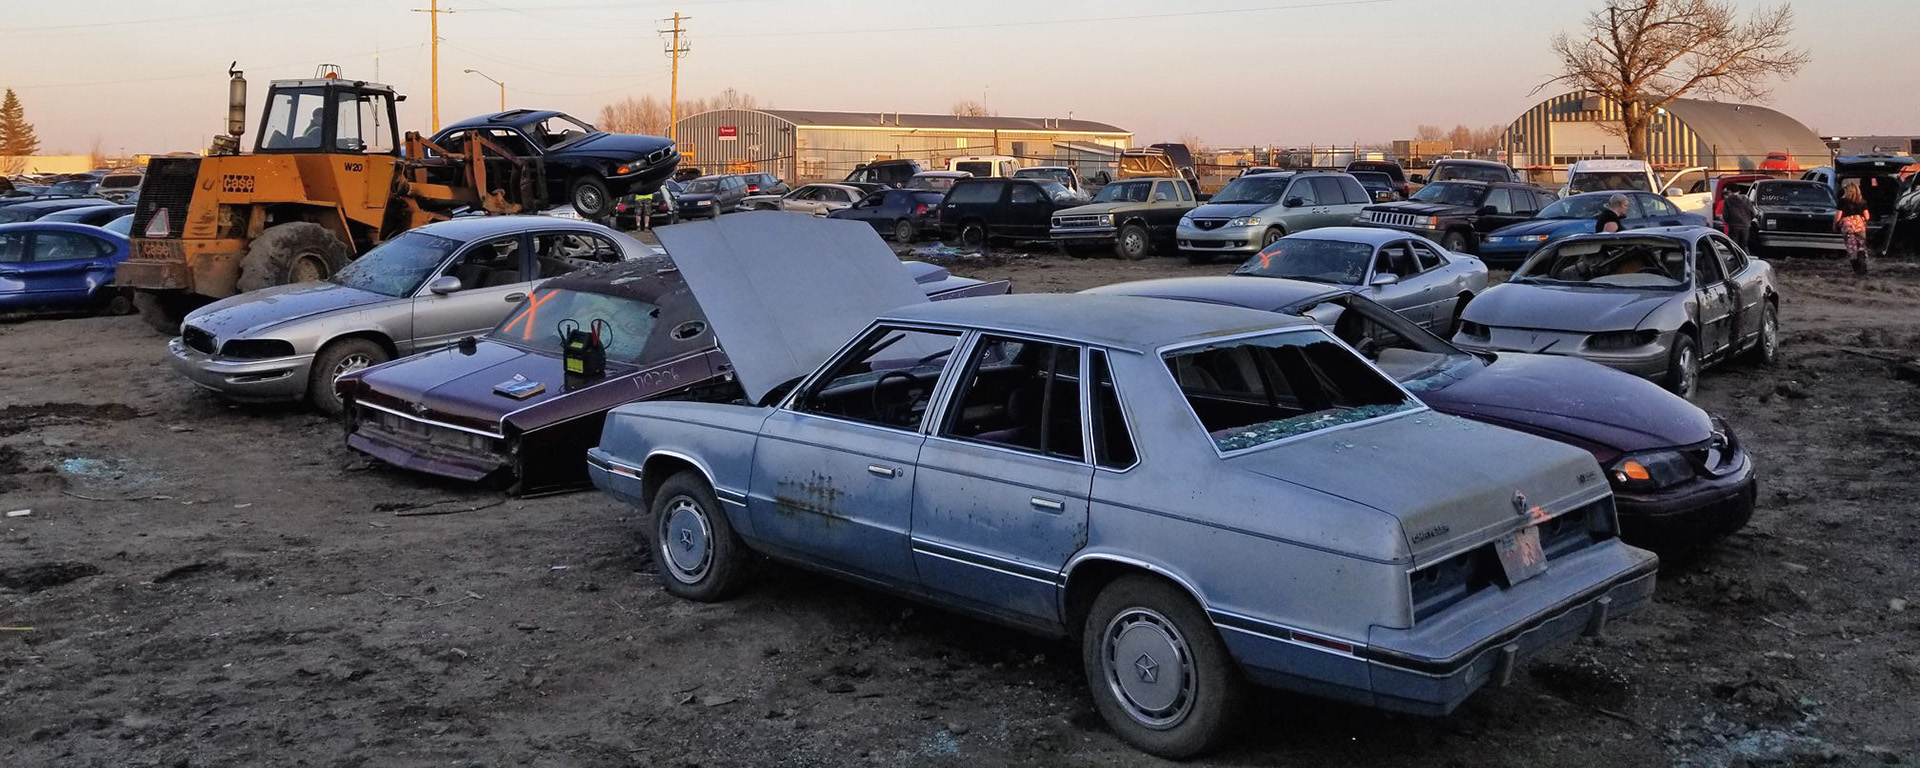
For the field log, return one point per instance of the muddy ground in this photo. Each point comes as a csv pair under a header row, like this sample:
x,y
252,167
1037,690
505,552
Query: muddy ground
x,y
200,583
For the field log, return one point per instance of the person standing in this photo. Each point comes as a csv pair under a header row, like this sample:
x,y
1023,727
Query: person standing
x,y
1612,215
1852,219
1736,213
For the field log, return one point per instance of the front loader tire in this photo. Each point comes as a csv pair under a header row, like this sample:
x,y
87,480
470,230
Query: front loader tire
x,y
164,311
296,252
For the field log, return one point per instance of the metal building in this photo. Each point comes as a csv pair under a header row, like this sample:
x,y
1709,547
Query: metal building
x,y
805,145
1687,133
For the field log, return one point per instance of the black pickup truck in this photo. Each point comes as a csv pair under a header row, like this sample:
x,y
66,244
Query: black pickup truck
x,y
1457,213
1792,214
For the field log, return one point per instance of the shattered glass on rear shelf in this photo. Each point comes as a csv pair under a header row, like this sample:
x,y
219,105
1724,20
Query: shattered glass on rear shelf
x,y
1267,432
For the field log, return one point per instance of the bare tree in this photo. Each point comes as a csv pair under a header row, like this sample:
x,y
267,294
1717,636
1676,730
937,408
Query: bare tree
x,y
649,114
970,108
97,152
1644,54
1425,132
1193,142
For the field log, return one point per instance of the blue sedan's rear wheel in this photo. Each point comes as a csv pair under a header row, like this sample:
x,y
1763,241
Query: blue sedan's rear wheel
x,y
904,231
1159,673
697,552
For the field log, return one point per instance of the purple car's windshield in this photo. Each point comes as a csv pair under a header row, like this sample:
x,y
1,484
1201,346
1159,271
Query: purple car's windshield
x,y
537,323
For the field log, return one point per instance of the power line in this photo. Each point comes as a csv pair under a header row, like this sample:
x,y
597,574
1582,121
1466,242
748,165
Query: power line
x,y
1083,20
159,78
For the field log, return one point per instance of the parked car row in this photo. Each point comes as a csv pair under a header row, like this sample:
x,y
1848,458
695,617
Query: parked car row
x,y
1103,467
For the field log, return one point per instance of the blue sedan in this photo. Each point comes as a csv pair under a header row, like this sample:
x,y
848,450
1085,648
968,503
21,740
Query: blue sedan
x,y
1203,496
60,266
1575,215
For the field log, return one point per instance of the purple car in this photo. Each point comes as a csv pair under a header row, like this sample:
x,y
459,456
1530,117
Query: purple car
x,y
504,407
1679,475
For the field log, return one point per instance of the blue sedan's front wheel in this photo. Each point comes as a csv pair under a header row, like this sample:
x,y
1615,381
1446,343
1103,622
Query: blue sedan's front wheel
x,y
1159,673
695,548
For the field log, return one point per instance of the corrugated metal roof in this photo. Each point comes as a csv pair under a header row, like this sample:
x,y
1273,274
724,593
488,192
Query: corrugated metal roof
x,y
821,119
1744,129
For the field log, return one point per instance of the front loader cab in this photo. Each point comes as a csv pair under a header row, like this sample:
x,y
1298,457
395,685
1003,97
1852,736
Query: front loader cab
x,y
328,115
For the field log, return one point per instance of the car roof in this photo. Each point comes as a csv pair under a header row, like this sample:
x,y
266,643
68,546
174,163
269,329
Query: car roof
x,y
1262,293
1374,236
1609,165
1126,323
946,174
58,226
513,117
468,228
61,203
1469,161
1688,234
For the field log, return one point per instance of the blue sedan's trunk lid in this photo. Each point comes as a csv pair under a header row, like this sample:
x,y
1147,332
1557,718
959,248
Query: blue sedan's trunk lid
x,y
1452,483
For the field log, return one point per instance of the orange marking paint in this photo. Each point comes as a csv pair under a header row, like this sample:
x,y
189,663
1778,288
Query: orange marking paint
x,y
529,315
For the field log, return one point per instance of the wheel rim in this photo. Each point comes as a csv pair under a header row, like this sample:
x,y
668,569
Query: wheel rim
x,y
307,268
351,363
902,231
686,540
1770,334
974,234
1271,238
1149,668
1134,243
587,198
1687,371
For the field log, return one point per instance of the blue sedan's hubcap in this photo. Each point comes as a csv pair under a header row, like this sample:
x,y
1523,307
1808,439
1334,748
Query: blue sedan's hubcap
x,y
686,540
1149,667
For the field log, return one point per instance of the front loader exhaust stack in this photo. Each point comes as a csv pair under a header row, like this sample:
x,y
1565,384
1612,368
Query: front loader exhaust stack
x,y
236,102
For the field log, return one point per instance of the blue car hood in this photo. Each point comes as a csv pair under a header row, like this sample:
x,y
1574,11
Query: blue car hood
x,y
1572,400
1549,227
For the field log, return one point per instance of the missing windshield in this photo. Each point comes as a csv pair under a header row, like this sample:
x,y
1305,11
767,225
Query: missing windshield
x,y
1629,263
1257,391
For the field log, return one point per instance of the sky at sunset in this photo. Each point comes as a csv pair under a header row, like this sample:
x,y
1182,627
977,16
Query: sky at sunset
x,y
147,76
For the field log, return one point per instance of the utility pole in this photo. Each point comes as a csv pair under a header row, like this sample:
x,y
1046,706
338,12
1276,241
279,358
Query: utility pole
x,y
676,50
433,31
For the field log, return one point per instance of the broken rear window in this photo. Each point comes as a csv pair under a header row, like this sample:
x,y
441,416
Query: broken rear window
x,y
1250,392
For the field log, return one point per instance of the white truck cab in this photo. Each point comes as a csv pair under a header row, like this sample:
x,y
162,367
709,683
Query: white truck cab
x,y
985,166
1638,176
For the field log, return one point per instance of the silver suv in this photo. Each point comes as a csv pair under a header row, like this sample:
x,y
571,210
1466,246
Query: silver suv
x,y
1255,210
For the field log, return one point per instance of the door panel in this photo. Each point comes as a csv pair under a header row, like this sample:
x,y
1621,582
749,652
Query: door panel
x,y
63,268
494,279
838,491
1716,300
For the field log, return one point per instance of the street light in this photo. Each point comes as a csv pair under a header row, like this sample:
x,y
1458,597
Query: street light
x,y
503,86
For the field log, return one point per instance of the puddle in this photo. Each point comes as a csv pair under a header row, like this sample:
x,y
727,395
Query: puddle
x,y
112,477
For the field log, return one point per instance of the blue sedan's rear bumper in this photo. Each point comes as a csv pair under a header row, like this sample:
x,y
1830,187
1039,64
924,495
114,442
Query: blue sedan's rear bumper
x,y
1432,668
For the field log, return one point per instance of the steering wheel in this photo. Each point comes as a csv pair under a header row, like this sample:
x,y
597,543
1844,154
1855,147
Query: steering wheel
x,y
881,383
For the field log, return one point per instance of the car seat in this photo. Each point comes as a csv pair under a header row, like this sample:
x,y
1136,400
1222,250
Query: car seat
x,y
500,277
471,275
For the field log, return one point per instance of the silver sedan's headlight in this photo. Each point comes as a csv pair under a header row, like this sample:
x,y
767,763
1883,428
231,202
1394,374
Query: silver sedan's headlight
x,y
1245,221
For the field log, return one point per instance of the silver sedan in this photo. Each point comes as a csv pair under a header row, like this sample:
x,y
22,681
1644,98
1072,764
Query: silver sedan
x,y
1407,273
817,199
424,288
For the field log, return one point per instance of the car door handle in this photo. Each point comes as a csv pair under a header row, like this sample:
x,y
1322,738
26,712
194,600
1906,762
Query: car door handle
x,y
880,471
515,298
1048,505
10,273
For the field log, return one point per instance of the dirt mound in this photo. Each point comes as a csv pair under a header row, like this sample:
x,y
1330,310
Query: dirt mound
x,y
15,419
39,576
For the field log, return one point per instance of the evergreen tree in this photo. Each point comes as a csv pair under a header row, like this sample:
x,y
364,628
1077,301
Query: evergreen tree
x,y
16,134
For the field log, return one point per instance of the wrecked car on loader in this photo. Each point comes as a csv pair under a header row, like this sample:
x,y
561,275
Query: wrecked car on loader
x,y
1203,496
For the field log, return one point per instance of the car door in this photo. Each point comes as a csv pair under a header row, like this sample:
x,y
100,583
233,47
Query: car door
x,y
1000,501
63,267
1498,210
1652,211
493,280
1300,203
872,210
13,270
797,200
1331,212
1029,212
1440,284
1356,199
834,468
1716,299
1405,296
1748,284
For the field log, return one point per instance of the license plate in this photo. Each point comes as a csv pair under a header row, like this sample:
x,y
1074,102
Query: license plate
x,y
1520,554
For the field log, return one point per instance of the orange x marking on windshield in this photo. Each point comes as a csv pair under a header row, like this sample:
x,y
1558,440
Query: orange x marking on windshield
x,y
1266,258
531,313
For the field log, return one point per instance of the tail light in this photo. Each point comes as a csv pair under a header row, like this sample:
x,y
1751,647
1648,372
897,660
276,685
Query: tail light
x,y
920,210
753,189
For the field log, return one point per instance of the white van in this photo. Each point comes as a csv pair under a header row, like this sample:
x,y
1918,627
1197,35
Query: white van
x,y
1637,176
985,166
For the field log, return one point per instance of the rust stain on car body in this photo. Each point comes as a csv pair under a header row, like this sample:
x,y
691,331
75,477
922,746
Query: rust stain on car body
x,y
815,493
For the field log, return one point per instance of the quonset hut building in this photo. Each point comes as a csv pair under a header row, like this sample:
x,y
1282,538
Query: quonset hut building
x,y
805,145
1685,134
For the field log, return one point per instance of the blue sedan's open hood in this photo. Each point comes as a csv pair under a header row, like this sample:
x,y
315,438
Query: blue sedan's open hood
x,y
1548,227
784,292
